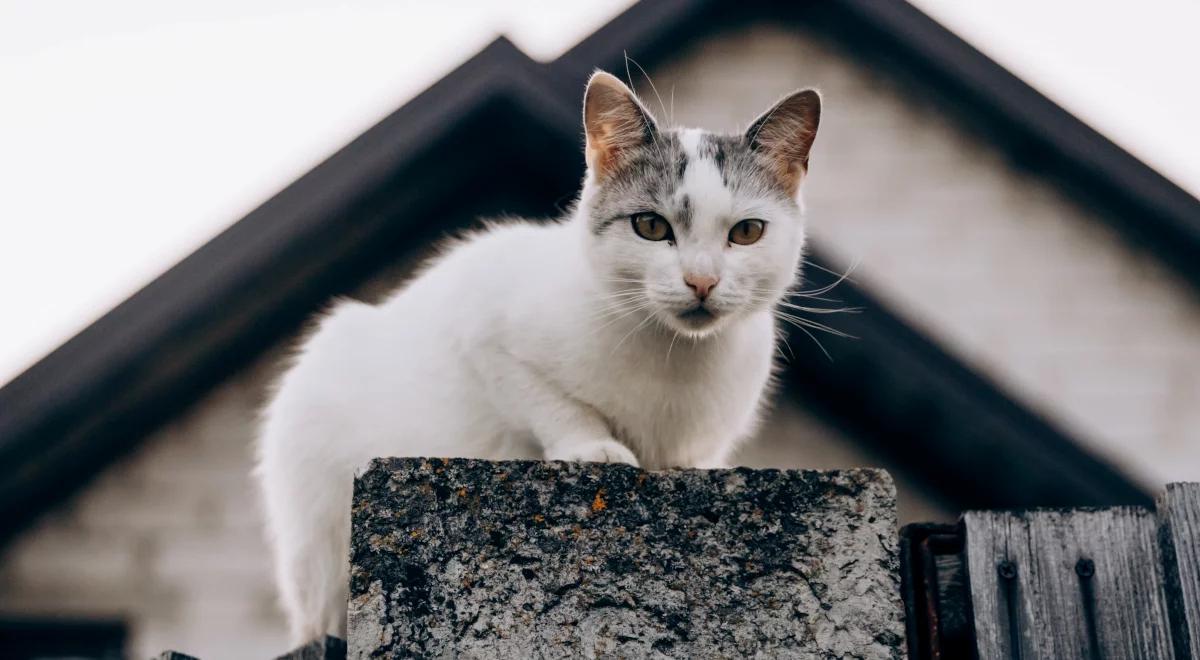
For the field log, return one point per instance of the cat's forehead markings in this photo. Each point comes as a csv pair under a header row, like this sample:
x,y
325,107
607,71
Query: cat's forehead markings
x,y
689,139
702,184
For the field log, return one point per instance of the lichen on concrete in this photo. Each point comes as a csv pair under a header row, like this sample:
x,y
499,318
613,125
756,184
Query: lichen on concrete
x,y
522,559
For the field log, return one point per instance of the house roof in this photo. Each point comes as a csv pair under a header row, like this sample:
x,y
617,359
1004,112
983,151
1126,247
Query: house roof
x,y
102,392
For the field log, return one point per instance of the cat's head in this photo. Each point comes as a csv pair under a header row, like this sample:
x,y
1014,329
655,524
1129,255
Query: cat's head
x,y
693,228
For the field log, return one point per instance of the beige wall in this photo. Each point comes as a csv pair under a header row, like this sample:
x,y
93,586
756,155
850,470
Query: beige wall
x,y
168,540
1018,280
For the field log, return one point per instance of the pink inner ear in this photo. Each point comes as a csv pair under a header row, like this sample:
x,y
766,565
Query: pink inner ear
x,y
786,136
789,174
604,146
788,155
613,122
611,134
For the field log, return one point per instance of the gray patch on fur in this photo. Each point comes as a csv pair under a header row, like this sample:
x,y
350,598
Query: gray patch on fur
x,y
650,176
683,217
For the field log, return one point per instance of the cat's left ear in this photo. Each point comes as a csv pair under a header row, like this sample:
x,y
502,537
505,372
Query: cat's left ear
x,y
615,123
785,134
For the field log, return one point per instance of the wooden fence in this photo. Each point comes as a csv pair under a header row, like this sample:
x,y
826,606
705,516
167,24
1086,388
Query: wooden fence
x,y
1121,582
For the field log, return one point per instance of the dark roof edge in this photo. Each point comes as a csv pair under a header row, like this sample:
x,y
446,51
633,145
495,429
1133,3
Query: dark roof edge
x,y
1140,201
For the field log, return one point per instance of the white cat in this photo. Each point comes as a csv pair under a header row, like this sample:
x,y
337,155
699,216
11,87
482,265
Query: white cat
x,y
639,329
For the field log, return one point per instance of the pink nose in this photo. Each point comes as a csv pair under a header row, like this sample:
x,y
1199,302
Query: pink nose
x,y
700,285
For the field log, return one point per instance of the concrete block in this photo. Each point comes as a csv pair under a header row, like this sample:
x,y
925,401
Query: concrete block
x,y
478,559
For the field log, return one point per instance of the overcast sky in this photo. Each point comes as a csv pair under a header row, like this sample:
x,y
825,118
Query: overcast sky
x,y
131,131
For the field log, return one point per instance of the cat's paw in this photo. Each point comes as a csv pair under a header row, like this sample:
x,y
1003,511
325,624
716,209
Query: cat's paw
x,y
596,451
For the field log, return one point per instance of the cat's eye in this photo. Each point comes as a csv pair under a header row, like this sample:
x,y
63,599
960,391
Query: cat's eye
x,y
652,227
747,232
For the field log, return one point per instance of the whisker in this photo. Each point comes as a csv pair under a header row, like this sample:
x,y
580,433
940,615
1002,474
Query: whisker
x,y
833,301
769,293
645,75
821,310
635,309
829,287
617,295
781,341
620,295
615,309
653,133
809,323
672,119
637,327
850,269
818,343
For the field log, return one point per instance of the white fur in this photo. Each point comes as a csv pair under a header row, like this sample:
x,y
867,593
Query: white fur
x,y
514,345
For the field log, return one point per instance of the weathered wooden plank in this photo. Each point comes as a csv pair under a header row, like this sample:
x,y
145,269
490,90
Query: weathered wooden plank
x,y
1179,516
1067,584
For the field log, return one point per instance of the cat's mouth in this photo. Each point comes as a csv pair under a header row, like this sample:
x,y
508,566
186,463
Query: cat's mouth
x,y
698,316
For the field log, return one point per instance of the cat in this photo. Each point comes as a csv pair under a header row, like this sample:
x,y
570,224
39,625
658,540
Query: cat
x,y
639,329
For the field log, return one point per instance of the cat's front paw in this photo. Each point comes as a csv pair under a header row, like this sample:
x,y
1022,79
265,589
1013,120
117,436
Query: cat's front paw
x,y
596,451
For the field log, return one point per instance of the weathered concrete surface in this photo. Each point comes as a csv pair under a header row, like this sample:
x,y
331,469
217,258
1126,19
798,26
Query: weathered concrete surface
x,y
475,559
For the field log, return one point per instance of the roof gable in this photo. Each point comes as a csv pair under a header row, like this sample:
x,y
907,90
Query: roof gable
x,y
440,157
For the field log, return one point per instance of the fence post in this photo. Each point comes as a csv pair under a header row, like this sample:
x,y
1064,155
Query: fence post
x,y
466,558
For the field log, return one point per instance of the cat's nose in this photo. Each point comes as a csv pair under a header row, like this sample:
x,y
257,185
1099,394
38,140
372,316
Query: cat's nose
x,y
701,285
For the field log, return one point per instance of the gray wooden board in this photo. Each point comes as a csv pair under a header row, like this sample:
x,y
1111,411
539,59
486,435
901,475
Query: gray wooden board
x,y
1179,514
1049,599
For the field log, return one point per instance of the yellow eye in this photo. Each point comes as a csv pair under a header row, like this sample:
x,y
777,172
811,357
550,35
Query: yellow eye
x,y
652,227
747,232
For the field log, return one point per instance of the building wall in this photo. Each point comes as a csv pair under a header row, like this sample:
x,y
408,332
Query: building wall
x,y
168,540
999,266
1015,278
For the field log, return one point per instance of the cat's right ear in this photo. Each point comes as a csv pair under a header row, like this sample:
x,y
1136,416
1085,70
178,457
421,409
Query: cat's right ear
x,y
615,123
785,134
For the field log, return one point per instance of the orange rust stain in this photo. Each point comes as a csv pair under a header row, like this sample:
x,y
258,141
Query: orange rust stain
x,y
537,517
598,503
641,479
462,492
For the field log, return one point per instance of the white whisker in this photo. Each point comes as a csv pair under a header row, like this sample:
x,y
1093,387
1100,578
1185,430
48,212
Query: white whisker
x,y
674,336
649,317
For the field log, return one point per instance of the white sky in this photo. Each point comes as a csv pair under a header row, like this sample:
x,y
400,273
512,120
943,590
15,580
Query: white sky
x,y
131,131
